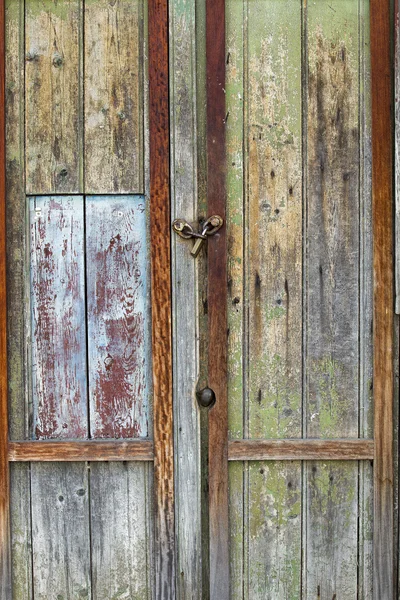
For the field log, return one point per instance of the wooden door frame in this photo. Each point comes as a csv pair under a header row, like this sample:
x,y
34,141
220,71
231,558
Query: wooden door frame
x,y
161,449
380,449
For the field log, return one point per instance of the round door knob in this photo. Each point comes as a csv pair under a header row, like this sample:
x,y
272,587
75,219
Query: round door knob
x,y
206,397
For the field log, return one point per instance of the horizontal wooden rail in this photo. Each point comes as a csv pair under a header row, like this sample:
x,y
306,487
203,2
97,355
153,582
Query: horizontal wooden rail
x,y
301,450
142,450
91,450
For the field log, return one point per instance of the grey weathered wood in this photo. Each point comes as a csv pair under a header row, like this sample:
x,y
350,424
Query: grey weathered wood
x,y
118,316
60,531
120,512
113,96
366,428
331,492
335,265
184,165
17,299
58,317
333,220
53,96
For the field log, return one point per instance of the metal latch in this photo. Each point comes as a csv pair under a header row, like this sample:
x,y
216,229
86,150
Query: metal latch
x,y
186,231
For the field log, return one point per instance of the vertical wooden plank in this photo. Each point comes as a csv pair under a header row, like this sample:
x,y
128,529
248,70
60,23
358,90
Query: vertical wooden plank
x,y
274,530
60,531
21,532
382,208
53,96
331,531
58,317
5,558
160,220
217,302
333,220
185,285
17,292
274,220
119,530
236,45
118,316
397,150
366,416
338,284
113,96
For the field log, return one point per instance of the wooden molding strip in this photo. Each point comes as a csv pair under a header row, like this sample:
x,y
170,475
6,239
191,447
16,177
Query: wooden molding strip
x,y
5,551
301,450
63,451
383,319
217,302
161,300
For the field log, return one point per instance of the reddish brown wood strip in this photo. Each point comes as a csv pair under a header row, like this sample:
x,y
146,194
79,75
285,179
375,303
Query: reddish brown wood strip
x,y
382,207
301,450
161,300
80,451
217,302
5,558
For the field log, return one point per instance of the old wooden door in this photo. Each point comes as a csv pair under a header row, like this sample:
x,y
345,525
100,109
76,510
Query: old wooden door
x,y
106,490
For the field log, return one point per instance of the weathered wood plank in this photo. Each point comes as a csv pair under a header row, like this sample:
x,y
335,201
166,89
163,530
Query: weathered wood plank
x,y
333,219
5,550
382,208
236,45
118,316
141,450
274,216
185,273
397,152
345,449
58,317
332,296
17,305
274,531
113,96
331,531
21,532
366,416
60,531
161,294
217,300
53,96
120,511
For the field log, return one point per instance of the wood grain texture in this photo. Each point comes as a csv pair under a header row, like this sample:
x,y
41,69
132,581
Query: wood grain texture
x,y
274,530
141,450
21,532
382,206
332,220
217,302
53,96
164,522
273,208
185,290
118,316
5,550
119,511
113,96
301,449
58,317
397,152
331,496
17,298
60,531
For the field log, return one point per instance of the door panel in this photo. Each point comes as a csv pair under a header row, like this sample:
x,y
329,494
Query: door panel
x,y
299,225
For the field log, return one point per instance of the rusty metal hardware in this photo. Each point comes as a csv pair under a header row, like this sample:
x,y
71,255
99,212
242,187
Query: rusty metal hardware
x,y
185,230
206,397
